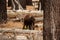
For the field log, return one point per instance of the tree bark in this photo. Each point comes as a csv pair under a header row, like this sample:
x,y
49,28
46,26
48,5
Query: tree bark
x,y
51,19
3,11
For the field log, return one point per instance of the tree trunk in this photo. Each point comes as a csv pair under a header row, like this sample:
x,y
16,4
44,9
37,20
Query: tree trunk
x,y
3,11
47,20
51,19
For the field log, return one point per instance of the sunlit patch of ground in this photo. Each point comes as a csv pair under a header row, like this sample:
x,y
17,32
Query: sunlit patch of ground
x,y
11,24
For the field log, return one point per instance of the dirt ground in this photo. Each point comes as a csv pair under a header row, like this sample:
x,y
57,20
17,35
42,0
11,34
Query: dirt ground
x,y
11,24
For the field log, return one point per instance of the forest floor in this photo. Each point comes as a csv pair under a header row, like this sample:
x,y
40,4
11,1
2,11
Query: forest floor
x,y
12,24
